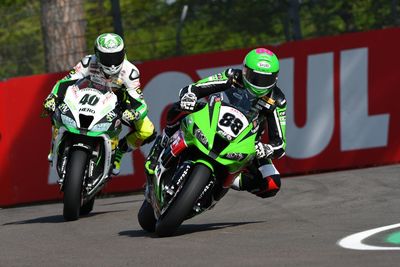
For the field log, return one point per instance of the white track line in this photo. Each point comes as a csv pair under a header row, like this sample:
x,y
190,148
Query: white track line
x,y
355,241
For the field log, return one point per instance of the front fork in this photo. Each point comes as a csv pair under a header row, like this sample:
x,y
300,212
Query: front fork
x,y
94,184
165,193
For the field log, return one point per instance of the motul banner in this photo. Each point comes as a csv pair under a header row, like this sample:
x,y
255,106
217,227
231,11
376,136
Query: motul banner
x,y
342,95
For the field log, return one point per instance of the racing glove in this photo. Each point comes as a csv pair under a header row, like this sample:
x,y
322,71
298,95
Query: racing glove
x,y
130,116
235,78
188,101
263,150
49,103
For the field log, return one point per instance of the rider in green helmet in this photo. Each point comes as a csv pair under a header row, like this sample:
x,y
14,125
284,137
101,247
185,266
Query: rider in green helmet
x,y
109,66
258,76
260,71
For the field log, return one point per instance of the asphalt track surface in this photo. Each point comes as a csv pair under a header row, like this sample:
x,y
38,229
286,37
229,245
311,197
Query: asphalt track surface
x,y
301,226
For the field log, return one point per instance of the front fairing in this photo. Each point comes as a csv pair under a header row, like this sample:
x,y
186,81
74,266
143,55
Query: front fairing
x,y
231,145
89,111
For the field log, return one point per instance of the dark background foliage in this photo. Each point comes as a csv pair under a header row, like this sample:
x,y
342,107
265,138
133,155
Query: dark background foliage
x,y
154,29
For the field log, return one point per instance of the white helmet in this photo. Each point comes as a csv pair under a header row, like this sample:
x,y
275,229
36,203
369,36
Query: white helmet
x,y
110,52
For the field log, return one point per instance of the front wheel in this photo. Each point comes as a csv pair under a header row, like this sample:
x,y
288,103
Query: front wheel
x,y
185,201
87,207
73,185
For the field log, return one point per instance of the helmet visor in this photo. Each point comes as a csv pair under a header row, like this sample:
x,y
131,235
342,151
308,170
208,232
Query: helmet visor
x,y
110,59
259,79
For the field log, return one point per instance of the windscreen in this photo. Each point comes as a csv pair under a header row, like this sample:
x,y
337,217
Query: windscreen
x,y
88,83
241,99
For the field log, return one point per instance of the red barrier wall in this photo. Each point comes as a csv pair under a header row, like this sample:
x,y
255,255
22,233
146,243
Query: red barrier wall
x,y
352,122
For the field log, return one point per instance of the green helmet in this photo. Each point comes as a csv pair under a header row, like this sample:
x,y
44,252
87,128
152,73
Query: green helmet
x,y
260,71
110,52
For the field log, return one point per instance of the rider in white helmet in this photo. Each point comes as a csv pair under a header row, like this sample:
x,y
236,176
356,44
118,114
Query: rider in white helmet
x,y
109,66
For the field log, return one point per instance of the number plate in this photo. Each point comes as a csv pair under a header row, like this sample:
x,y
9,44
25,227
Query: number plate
x,y
232,121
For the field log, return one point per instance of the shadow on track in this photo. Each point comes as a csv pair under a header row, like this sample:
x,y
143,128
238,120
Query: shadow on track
x,y
56,218
121,202
188,229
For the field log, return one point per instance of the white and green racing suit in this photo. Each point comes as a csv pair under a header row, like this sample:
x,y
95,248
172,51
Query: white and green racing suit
x,y
126,85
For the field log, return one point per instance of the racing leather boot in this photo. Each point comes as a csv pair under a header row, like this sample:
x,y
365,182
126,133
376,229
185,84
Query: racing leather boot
x,y
151,161
50,155
236,185
119,153
54,133
241,182
257,185
160,143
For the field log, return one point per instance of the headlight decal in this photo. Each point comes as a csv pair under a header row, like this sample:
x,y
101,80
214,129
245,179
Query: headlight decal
x,y
101,127
235,156
67,121
200,136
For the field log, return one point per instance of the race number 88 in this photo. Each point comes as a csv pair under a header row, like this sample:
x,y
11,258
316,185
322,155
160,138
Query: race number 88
x,y
229,120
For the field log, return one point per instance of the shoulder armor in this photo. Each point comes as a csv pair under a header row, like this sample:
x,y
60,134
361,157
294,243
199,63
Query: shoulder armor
x,y
279,97
235,76
131,71
79,70
234,73
86,60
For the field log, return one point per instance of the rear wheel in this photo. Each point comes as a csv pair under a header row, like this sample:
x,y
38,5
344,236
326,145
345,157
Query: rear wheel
x,y
185,201
146,217
73,185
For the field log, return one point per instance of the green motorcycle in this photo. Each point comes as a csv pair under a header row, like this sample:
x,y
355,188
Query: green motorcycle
x,y
198,165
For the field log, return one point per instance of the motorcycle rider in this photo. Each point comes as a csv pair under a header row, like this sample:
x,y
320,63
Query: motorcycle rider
x,y
110,67
259,76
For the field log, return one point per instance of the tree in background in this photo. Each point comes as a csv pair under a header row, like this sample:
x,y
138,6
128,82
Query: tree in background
x,y
153,28
63,29
98,20
21,49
